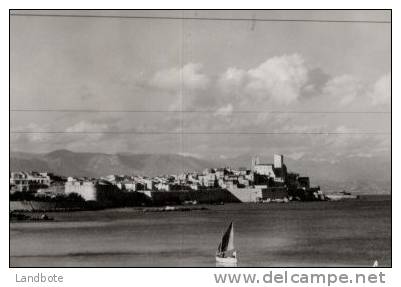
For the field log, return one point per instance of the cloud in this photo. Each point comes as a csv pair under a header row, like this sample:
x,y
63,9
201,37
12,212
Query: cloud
x,y
295,155
36,136
279,79
349,91
285,82
85,126
225,110
188,154
381,91
232,79
343,89
317,79
189,77
288,80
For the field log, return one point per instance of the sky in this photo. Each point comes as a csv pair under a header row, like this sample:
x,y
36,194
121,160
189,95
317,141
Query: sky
x,y
239,82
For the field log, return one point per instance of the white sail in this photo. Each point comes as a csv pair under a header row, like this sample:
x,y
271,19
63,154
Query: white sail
x,y
226,253
230,245
227,241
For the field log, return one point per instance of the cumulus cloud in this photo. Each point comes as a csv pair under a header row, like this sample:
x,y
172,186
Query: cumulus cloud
x,y
381,91
288,80
232,79
344,89
189,77
279,79
349,91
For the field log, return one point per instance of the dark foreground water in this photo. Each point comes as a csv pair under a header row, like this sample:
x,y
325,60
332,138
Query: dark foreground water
x,y
348,233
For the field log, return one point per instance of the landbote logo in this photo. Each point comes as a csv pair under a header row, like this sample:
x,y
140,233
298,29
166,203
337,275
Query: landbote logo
x,y
39,278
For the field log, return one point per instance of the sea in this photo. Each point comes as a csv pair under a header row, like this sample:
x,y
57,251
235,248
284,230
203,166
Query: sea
x,y
295,234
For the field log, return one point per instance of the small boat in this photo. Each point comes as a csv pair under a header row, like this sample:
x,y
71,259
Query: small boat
x,y
375,263
226,253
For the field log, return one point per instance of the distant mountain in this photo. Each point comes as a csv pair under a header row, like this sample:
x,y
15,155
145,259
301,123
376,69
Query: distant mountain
x,y
68,163
359,174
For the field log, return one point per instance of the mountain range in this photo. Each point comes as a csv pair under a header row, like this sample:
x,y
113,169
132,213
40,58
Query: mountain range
x,y
364,174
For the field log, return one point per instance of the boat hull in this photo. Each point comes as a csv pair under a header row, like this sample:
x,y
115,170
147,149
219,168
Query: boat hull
x,y
226,260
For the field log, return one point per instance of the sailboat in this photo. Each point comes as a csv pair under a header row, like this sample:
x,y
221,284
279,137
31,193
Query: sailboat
x,y
226,253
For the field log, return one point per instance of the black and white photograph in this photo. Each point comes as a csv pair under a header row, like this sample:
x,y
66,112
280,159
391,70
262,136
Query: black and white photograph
x,y
200,138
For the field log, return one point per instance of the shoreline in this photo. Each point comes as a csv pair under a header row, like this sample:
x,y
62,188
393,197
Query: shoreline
x,y
32,215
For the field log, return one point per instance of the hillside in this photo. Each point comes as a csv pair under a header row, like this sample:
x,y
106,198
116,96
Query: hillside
x,y
69,163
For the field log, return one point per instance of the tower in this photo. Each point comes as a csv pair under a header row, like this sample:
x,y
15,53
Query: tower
x,y
278,161
255,161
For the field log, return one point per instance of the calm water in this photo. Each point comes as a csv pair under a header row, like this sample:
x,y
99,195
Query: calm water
x,y
349,233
